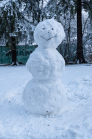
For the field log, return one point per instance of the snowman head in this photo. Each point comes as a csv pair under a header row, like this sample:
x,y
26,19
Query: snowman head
x,y
49,34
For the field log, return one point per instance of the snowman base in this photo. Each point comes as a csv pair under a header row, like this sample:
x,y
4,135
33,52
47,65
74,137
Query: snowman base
x,y
44,97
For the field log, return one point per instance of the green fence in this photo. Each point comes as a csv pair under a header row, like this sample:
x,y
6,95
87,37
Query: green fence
x,y
23,53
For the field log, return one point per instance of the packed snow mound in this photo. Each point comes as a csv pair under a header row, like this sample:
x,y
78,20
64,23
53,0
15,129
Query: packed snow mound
x,y
45,94
46,64
49,34
44,98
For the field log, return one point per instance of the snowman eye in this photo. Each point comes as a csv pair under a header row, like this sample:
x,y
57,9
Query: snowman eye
x,y
43,28
52,29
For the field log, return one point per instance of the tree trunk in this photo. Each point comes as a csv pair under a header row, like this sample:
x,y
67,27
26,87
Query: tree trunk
x,y
38,13
80,57
42,10
13,51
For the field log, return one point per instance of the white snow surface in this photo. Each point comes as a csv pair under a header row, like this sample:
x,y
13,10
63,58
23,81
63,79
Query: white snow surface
x,y
74,122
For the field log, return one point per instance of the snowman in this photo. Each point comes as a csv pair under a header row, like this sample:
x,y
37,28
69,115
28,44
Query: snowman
x,y
45,94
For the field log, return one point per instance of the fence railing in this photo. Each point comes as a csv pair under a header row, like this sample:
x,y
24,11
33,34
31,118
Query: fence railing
x,y
22,52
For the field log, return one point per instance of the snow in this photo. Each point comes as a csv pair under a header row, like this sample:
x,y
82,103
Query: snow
x,y
74,122
2,3
84,14
44,97
45,93
49,34
46,64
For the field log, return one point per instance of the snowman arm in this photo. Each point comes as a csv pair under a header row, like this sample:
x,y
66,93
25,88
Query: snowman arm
x,y
63,64
35,62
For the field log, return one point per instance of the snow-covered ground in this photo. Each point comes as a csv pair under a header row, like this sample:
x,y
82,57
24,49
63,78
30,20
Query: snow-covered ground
x,y
74,122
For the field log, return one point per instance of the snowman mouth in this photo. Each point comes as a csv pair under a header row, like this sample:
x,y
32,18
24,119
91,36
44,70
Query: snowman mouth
x,y
48,39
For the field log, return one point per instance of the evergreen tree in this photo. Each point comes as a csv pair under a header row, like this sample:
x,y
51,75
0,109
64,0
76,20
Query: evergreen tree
x,y
80,57
17,22
55,7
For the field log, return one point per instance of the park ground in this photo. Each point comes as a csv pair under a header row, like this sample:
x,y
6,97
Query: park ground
x,y
73,122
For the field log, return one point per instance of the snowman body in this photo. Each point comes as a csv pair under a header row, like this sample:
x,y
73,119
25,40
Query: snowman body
x,y
45,94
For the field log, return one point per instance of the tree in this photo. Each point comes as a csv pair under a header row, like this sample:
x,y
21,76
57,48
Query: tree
x,y
80,57
56,7
33,10
17,23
